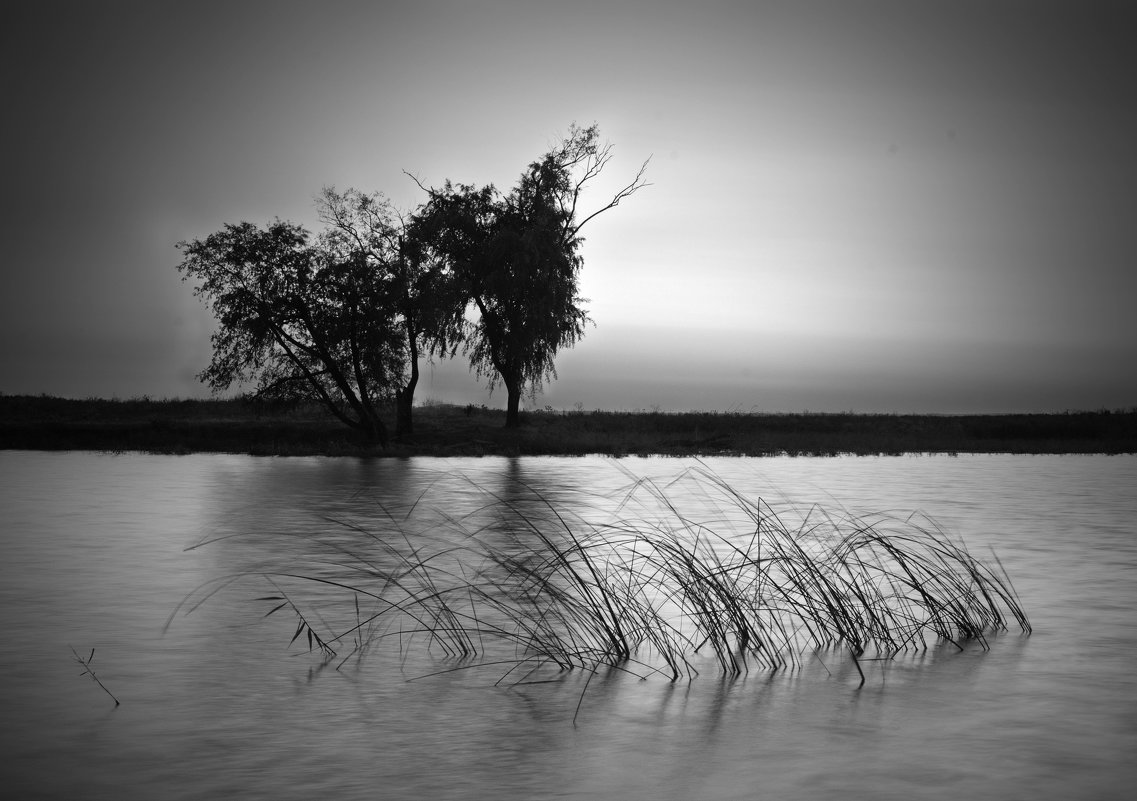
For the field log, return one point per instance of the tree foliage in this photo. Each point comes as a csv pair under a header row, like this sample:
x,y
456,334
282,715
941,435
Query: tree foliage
x,y
345,317
424,305
301,319
517,259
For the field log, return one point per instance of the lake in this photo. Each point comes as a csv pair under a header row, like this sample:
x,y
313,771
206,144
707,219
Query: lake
x,y
98,552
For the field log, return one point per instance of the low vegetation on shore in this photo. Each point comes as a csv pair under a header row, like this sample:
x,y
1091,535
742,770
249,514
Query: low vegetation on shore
x,y
243,425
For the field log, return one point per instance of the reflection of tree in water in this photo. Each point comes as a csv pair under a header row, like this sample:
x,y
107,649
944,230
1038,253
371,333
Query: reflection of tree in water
x,y
523,500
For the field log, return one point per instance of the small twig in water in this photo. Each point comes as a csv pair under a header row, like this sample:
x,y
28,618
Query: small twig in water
x,y
89,671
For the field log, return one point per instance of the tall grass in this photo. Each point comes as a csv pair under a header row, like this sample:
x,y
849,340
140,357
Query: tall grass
x,y
652,588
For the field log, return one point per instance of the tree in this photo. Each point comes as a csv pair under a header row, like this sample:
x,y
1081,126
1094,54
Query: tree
x,y
517,258
424,305
303,320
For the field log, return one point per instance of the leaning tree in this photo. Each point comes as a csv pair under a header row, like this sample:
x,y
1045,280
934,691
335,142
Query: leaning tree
x,y
517,260
301,319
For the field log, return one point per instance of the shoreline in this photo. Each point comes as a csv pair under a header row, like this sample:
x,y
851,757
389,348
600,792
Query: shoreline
x,y
257,428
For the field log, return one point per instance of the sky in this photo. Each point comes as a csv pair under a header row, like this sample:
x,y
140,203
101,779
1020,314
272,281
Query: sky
x,y
896,206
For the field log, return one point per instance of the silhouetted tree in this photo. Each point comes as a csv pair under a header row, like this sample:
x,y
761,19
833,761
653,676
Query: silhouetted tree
x,y
517,259
424,302
301,319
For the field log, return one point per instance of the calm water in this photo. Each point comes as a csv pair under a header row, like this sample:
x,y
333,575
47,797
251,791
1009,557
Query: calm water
x,y
93,554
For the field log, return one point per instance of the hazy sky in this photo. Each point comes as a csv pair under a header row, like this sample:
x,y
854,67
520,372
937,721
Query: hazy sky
x,y
876,206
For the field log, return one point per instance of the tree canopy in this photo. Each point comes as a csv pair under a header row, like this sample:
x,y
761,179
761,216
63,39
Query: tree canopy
x,y
344,318
302,320
516,257
425,305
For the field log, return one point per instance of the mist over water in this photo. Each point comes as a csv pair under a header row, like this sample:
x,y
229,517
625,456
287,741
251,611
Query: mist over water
x,y
93,555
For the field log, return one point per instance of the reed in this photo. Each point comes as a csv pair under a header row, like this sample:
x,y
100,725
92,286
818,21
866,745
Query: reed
x,y
525,585
90,671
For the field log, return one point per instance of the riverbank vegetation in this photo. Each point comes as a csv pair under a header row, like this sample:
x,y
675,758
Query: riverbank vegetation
x,y
245,425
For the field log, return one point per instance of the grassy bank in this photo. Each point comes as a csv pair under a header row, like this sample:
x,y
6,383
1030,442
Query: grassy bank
x,y
244,426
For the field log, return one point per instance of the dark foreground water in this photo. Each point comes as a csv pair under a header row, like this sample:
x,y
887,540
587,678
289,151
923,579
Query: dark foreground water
x,y
93,555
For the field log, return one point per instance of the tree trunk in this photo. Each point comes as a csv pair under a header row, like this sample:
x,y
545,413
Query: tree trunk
x,y
405,396
404,401
374,430
512,404
377,433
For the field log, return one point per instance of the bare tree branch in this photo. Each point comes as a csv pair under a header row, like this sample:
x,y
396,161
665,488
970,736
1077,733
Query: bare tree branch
x,y
636,184
434,194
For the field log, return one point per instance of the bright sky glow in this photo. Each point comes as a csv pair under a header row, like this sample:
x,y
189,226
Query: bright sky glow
x,y
878,206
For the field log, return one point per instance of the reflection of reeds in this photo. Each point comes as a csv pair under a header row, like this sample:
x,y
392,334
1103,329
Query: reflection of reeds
x,y
658,593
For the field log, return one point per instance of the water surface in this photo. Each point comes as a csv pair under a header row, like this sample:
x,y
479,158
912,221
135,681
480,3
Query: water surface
x,y
93,554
